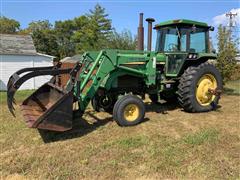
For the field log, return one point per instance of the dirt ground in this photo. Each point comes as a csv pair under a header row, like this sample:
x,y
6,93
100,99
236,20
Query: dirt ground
x,y
169,144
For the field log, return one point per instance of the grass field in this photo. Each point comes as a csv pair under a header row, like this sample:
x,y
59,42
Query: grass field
x,y
170,144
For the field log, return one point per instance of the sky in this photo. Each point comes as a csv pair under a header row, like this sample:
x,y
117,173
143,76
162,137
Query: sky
x,y
124,14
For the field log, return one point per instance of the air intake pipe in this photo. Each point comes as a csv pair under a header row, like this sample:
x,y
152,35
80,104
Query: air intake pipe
x,y
140,40
149,43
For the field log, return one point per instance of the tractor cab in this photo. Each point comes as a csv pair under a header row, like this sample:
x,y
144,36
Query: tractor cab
x,y
181,40
184,36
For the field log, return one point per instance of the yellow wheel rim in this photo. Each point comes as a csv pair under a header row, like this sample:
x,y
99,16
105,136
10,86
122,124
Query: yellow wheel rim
x,y
205,84
131,112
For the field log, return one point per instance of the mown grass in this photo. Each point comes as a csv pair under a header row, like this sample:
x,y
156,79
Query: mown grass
x,y
173,145
208,135
19,96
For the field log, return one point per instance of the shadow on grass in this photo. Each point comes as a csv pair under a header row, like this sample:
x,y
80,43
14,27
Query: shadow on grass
x,y
162,108
80,128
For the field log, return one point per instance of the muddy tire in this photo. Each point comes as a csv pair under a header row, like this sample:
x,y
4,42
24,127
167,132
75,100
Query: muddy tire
x,y
195,85
129,110
103,103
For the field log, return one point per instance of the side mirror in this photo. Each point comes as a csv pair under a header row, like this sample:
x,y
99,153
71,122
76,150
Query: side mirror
x,y
211,28
214,51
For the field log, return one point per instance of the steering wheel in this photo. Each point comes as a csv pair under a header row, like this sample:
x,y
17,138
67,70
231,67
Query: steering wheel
x,y
172,47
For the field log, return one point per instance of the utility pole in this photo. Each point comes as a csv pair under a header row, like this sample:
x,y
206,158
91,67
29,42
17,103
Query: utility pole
x,y
231,22
231,17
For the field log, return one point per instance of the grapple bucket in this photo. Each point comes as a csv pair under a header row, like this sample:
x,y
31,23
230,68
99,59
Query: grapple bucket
x,y
50,108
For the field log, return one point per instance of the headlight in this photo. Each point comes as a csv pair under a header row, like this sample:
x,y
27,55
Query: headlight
x,y
192,56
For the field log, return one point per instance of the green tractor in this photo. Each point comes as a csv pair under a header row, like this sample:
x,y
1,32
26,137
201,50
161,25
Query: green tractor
x,y
117,81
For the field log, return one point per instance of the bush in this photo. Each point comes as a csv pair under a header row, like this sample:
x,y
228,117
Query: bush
x,y
227,52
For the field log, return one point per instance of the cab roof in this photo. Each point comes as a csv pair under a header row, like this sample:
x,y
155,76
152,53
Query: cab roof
x,y
180,22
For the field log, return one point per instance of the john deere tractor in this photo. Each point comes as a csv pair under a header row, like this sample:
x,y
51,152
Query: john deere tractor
x,y
117,81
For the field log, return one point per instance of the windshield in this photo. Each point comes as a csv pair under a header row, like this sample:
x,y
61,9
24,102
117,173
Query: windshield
x,y
174,39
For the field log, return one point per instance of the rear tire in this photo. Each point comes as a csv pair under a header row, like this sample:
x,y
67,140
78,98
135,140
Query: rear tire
x,y
193,89
129,111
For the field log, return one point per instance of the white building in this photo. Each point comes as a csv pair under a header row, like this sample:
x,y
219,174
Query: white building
x,y
17,52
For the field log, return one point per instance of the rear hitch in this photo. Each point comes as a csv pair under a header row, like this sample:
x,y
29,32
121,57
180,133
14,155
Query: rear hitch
x,y
216,92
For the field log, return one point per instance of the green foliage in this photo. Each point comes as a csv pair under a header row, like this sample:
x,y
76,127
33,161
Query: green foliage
x,y
227,52
45,42
44,37
64,30
8,26
69,37
123,40
84,35
95,33
91,31
39,25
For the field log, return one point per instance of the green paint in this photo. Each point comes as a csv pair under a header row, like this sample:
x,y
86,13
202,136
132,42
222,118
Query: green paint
x,y
154,69
181,22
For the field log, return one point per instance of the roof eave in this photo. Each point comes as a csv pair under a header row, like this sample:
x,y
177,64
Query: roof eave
x,y
46,55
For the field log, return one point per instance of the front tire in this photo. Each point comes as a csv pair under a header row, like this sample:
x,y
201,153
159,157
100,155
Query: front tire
x,y
103,103
129,110
195,86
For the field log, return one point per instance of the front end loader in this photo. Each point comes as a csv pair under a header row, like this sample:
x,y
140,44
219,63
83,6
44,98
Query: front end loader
x,y
116,81
46,107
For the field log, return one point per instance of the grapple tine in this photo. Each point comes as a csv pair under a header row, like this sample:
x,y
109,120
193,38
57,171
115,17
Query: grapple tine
x,y
49,107
10,99
11,90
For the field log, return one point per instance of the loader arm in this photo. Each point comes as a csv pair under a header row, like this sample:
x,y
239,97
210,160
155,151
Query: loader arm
x,y
51,107
107,61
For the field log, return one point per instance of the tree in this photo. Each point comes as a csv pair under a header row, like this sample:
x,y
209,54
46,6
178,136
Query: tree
x,y
83,34
8,26
123,40
45,42
39,25
92,31
43,36
227,52
94,35
64,31
100,20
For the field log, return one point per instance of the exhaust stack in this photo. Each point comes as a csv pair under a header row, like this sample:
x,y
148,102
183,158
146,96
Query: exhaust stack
x,y
140,40
149,44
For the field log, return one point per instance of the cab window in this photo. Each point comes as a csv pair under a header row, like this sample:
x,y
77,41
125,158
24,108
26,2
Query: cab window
x,y
198,41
